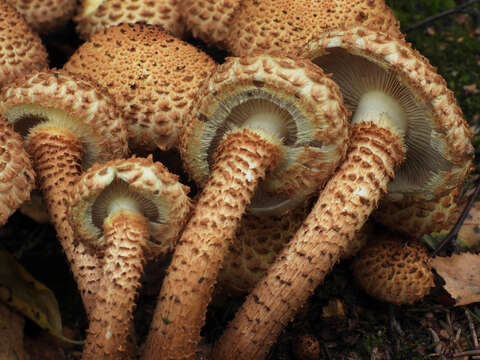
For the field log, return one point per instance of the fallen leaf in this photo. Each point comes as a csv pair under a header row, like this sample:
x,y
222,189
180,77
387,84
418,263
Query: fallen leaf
x,y
461,273
471,89
20,290
334,309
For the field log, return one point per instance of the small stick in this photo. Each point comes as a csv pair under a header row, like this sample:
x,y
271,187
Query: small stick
x,y
467,353
473,331
435,17
452,235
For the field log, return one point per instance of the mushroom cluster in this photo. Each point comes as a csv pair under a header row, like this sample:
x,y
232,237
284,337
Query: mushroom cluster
x,y
322,102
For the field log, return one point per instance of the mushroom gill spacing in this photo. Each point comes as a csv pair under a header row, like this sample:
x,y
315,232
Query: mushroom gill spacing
x,y
291,146
67,122
380,144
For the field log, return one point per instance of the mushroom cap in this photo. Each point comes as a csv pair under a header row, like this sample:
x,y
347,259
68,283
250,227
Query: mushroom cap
x,y
316,124
21,50
17,178
163,199
271,26
259,240
439,150
152,75
98,14
392,270
210,20
417,218
45,16
79,103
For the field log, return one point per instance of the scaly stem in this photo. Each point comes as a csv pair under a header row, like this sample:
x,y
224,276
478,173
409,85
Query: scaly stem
x,y
341,210
241,162
126,234
56,156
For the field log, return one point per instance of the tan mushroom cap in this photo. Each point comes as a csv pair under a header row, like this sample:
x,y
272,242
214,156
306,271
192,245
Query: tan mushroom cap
x,y
17,177
417,218
307,100
439,151
152,75
259,240
45,16
164,200
392,270
93,15
210,20
284,26
82,105
21,50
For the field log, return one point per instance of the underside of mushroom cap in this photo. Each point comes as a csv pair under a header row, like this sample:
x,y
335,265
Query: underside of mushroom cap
x,y
17,178
45,16
73,102
210,20
309,105
21,49
270,26
164,201
93,15
152,75
439,151
393,270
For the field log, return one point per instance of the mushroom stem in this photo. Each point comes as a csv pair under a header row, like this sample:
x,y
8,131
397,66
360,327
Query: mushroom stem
x,y
48,145
341,210
243,159
126,233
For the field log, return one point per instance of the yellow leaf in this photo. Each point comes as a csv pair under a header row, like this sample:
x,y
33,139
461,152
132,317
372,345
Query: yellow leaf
x,y
20,290
334,309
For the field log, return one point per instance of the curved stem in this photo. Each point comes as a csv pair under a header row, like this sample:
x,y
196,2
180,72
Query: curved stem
x,y
341,210
109,334
56,156
242,161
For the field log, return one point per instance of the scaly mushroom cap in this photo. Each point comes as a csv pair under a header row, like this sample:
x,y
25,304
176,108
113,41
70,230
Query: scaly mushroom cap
x,y
420,217
284,26
439,151
78,103
93,15
17,178
45,16
21,50
394,271
153,76
259,240
164,201
210,20
296,91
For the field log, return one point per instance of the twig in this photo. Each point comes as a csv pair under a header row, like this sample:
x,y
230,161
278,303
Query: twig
x,y
467,353
452,235
471,325
435,17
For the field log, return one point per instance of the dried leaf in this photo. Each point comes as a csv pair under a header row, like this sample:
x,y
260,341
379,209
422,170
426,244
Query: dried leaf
x,y
334,309
461,273
20,290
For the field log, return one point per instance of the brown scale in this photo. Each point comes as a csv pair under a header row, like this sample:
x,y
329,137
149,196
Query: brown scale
x,y
338,214
212,226
126,235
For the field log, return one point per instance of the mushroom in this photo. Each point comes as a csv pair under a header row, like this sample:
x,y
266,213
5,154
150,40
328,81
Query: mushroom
x,y
45,16
67,122
405,118
93,15
258,241
210,20
394,270
21,50
256,118
17,178
152,75
131,210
